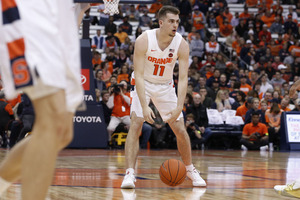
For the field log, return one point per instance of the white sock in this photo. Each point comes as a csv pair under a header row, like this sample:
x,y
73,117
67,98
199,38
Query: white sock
x,y
130,171
4,185
189,167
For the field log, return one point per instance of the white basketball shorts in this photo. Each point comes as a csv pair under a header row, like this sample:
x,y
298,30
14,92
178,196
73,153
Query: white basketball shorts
x,y
51,51
163,97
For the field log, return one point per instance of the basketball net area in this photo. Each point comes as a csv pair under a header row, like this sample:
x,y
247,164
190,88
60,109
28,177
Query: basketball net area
x,y
111,7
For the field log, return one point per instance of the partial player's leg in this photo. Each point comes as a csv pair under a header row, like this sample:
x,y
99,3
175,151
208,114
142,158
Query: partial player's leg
x,y
131,150
51,132
184,148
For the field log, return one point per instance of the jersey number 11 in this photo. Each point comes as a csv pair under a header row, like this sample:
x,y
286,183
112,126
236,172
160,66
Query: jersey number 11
x,y
161,72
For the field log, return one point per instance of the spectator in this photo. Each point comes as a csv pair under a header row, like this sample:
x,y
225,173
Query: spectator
x,y
268,97
245,87
126,44
126,26
268,18
105,72
103,17
145,20
255,106
240,100
264,106
124,74
197,46
99,83
98,40
255,134
276,27
207,102
251,3
221,103
228,15
110,26
285,105
194,131
215,88
185,9
122,35
291,13
226,29
155,6
132,13
241,28
216,76
6,116
119,102
277,81
200,116
192,34
198,20
211,21
202,84
223,82
212,46
265,85
244,15
235,21
290,24
110,44
273,116
265,33
106,111
96,58
242,110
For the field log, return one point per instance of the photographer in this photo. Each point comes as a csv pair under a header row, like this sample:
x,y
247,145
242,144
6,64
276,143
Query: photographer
x,y
255,134
119,102
194,131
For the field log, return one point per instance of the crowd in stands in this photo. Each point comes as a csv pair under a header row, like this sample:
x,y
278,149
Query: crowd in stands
x,y
253,79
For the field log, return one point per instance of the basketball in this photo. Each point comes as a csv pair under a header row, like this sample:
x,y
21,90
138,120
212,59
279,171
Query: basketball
x,y
172,172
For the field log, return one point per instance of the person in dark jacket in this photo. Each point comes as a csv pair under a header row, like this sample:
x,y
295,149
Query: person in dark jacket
x,y
200,116
6,116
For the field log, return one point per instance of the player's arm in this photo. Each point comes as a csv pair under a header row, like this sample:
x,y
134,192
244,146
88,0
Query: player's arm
x,y
294,88
183,59
140,49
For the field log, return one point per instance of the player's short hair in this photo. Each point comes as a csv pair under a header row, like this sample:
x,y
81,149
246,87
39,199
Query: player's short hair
x,y
167,9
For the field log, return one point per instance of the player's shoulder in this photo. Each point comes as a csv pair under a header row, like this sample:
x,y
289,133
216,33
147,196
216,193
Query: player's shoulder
x,y
141,42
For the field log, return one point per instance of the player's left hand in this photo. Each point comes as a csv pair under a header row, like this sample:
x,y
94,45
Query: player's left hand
x,y
174,115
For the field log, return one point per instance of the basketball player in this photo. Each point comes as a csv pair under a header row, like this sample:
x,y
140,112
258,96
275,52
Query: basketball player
x,y
156,52
40,55
294,188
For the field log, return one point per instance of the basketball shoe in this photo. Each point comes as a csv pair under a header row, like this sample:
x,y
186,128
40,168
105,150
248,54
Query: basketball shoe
x,y
128,181
194,175
290,190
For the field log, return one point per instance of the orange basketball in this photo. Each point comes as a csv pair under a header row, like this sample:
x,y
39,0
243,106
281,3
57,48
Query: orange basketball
x,y
172,172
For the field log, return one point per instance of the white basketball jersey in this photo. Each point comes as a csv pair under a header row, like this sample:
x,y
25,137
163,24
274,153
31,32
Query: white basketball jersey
x,y
159,64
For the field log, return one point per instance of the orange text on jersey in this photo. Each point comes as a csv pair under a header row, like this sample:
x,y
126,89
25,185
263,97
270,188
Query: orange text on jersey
x,y
160,60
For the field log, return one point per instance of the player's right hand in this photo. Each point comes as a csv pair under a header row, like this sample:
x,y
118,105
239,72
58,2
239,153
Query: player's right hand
x,y
148,115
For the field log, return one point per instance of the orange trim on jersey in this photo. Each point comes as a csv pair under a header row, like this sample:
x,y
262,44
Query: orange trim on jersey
x,y
132,81
7,4
16,48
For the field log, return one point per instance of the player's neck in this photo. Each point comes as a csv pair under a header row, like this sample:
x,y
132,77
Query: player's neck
x,y
163,38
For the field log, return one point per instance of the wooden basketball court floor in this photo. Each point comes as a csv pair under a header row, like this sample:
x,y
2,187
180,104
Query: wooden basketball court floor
x,y
97,174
